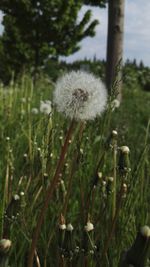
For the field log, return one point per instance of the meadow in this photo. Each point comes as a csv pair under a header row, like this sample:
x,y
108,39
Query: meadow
x,y
101,198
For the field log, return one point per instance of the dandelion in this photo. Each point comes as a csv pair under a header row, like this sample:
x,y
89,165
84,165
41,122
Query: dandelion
x,y
45,107
115,104
16,197
80,96
34,111
23,100
23,112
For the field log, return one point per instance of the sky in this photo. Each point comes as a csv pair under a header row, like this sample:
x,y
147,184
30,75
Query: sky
x,y
136,38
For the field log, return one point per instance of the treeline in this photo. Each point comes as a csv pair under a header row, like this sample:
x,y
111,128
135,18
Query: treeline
x,y
134,73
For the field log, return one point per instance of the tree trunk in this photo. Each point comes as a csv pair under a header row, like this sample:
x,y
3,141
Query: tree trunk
x,y
115,44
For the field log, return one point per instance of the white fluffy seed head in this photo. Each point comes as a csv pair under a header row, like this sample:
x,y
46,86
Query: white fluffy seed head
x,y
16,197
115,104
45,107
79,95
34,111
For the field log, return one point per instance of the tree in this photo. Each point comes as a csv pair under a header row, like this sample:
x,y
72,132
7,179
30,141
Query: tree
x,y
100,3
115,35
38,29
115,44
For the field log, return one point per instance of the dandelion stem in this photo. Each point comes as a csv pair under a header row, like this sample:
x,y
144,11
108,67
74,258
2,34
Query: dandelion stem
x,y
61,261
49,193
112,229
114,178
4,200
73,168
85,261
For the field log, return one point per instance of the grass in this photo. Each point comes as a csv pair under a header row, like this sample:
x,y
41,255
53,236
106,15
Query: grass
x,y
30,149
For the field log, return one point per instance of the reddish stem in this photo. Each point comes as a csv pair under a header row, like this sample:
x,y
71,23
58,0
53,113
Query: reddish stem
x,y
49,194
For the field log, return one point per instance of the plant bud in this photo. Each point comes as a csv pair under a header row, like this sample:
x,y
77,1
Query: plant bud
x,y
89,227
125,149
109,187
88,237
123,164
61,232
114,134
69,227
69,246
5,245
138,254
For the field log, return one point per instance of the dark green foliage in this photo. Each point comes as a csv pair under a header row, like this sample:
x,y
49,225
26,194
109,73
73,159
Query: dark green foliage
x,y
3,68
138,74
95,66
36,30
100,3
144,78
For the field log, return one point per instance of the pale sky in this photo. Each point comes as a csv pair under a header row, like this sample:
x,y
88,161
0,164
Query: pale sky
x,y
137,33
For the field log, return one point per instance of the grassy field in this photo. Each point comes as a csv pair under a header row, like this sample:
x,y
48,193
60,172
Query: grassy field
x,y
100,187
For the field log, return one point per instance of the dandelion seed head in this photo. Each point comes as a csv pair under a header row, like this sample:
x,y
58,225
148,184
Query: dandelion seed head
x,y
115,104
45,107
34,111
79,95
23,100
16,197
